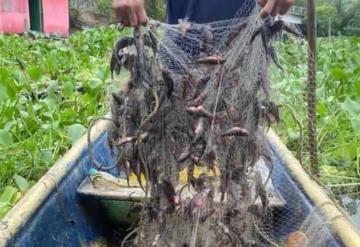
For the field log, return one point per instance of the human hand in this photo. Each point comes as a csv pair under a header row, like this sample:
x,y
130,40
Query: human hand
x,y
130,12
274,7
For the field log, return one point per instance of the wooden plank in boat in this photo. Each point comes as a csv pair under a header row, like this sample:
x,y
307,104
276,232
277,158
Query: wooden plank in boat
x,y
107,187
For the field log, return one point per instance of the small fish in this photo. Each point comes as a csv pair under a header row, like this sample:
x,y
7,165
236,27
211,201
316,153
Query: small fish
x,y
177,197
201,205
136,169
195,159
233,113
169,82
118,98
224,183
203,80
200,98
199,183
210,160
184,26
127,171
199,111
184,155
199,130
234,33
173,149
236,131
274,57
153,41
127,139
121,44
207,42
172,196
214,59
273,112
168,189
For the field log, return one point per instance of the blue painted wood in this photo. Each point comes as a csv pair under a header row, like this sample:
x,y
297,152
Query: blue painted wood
x,y
65,220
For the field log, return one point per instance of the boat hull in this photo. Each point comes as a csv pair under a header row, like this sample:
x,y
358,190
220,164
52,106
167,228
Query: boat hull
x,y
53,214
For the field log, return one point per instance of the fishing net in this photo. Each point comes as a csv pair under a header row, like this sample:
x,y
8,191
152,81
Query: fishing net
x,y
190,125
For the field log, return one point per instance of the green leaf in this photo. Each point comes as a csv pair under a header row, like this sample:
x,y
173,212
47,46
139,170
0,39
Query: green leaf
x,y
16,198
5,138
52,88
10,124
4,208
11,88
3,94
8,194
31,144
68,89
35,73
4,73
22,183
357,87
338,74
329,169
75,131
47,156
351,106
69,116
355,123
321,108
293,135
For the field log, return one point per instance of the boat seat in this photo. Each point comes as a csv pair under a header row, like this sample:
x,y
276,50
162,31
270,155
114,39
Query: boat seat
x,y
105,186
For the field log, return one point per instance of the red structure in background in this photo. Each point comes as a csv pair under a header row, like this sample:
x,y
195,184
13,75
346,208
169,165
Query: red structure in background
x,y
55,16
14,16
51,16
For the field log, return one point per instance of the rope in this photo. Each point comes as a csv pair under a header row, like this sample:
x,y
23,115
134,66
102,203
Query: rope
x,y
311,88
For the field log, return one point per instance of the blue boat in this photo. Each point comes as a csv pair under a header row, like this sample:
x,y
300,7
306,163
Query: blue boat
x,y
59,211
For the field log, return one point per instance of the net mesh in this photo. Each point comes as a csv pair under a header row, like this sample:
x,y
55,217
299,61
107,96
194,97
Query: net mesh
x,y
198,101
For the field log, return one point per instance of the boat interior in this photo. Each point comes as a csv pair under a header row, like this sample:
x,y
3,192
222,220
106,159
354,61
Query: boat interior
x,y
76,205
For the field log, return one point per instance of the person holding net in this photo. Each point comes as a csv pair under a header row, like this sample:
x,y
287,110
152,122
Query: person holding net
x,y
133,13
199,100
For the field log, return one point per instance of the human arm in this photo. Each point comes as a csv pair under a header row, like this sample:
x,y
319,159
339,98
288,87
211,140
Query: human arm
x,y
130,12
274,7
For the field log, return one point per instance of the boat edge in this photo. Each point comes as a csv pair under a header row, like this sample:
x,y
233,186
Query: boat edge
x,y
337,219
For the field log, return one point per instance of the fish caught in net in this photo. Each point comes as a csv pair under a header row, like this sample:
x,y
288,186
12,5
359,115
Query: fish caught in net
x,y
198,99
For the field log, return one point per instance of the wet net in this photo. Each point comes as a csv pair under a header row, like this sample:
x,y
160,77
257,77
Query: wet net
x,y
190,124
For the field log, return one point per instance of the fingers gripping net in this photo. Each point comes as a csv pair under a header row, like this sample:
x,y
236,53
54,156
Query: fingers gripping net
x,y
190,121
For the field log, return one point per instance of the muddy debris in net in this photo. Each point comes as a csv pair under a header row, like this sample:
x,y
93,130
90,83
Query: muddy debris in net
x,y
197,99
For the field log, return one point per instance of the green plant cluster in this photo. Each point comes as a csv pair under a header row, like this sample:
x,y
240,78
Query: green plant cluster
x,y
103,7
49,91
156,9
338,17
338,103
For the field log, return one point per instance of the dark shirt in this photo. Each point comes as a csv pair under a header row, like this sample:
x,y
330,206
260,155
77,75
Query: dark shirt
x,y
207,10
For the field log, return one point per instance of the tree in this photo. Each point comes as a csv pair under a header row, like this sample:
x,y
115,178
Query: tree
x,y
301,3
326,15
342,15
346,12
156,9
